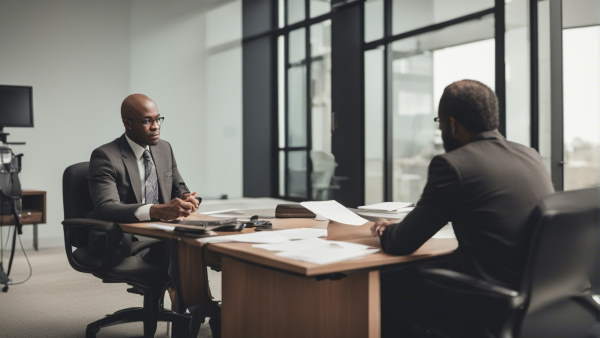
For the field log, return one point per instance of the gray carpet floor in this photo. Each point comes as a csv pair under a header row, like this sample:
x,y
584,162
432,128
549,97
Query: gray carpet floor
x,y
59,302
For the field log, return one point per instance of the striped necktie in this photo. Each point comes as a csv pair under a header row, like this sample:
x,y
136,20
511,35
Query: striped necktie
x,y
150,179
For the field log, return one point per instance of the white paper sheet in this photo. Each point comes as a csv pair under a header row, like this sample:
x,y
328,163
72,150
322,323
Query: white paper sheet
x,y
318,251
388,206
161,226
332,210
277,236
326,256
310,244
376,215
217,211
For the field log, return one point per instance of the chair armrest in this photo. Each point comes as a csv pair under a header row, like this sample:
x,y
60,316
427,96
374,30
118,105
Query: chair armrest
x,y
109,239
461,282
473,294
90,224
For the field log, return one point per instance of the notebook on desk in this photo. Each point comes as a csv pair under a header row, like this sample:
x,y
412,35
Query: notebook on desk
x,y
222,225
206,223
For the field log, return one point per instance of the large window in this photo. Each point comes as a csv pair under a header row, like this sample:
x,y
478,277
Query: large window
x,y
569,83
427,45
540,56
306,164
422,67
581,83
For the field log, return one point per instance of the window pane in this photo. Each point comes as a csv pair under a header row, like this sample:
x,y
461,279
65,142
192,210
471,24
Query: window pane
x,y
282,173
280,13
373,20
323,162
295,11
297,46
411,14
321,86
518,112
297,106
544,90
374,126
422,67
318,7
581,86
297,89
281,90
297,174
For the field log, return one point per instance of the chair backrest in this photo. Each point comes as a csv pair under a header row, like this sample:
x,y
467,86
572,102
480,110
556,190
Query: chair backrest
x,y
77,202
76,194
564,247
323,166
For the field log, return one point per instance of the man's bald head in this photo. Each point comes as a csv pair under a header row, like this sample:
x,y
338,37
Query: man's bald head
x,y
135,104
141,119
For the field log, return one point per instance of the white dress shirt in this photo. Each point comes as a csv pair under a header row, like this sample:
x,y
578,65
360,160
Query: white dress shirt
x,y
142,213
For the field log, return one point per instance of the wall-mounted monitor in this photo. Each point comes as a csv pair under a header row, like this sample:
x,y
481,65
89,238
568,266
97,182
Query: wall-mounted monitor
x,y
16,106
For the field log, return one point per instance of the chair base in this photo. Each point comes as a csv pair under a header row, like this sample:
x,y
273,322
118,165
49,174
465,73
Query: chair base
x,y
136,314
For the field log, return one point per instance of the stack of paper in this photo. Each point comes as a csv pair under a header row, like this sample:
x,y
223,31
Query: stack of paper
x,y
393,207
268,236
319,251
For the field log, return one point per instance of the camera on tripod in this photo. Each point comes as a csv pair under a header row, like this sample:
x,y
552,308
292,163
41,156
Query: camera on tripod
x,y
10,185
16,110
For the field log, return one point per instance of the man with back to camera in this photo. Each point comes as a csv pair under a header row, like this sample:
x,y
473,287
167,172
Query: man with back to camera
x,y
487,187
135,177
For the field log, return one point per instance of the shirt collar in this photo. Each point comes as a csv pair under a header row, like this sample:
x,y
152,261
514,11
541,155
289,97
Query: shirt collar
x,y
137,149
490,134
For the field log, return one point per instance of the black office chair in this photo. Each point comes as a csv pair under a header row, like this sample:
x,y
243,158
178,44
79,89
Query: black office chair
x,y
100,248
554,299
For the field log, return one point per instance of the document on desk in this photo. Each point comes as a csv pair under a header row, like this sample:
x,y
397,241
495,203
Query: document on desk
x,y
161,226
334,211
319,251
279,236
395,207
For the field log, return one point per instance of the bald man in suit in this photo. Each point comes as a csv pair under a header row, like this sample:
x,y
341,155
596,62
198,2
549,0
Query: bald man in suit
x,y
135,177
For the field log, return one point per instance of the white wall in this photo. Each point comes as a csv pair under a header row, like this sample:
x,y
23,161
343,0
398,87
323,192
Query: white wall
x,y
82,57
75,54
167,41
222,138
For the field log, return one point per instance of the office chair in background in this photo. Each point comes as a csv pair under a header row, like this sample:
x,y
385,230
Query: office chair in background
x,y
322,179
554,298
100,248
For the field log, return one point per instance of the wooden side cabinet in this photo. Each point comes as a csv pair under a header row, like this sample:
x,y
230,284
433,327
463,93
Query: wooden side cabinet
x,y
33,212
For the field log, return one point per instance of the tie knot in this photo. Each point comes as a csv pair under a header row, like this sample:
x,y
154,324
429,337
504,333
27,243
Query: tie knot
x,y
147,156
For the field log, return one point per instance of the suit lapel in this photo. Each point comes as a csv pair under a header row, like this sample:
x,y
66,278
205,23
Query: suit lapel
x,y
132,168
161,168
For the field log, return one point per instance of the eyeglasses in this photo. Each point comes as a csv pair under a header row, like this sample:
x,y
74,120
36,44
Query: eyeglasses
x,y
148,121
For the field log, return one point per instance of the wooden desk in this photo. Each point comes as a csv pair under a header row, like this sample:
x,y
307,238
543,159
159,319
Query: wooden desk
x,y
265,295
33,212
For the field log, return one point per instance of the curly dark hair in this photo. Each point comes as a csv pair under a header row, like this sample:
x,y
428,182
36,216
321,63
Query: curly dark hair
x,y
471,103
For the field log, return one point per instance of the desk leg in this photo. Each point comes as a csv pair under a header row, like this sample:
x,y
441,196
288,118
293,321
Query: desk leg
x,y
262,302
35,237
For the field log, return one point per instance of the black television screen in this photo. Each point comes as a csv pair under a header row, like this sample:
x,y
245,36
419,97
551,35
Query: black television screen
x,y
16,108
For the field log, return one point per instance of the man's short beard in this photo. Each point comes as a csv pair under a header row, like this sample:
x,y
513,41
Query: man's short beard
x,y
450,143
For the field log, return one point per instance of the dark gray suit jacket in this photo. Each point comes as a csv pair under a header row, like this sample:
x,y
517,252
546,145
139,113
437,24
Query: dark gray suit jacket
x,y
114,180
487,189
